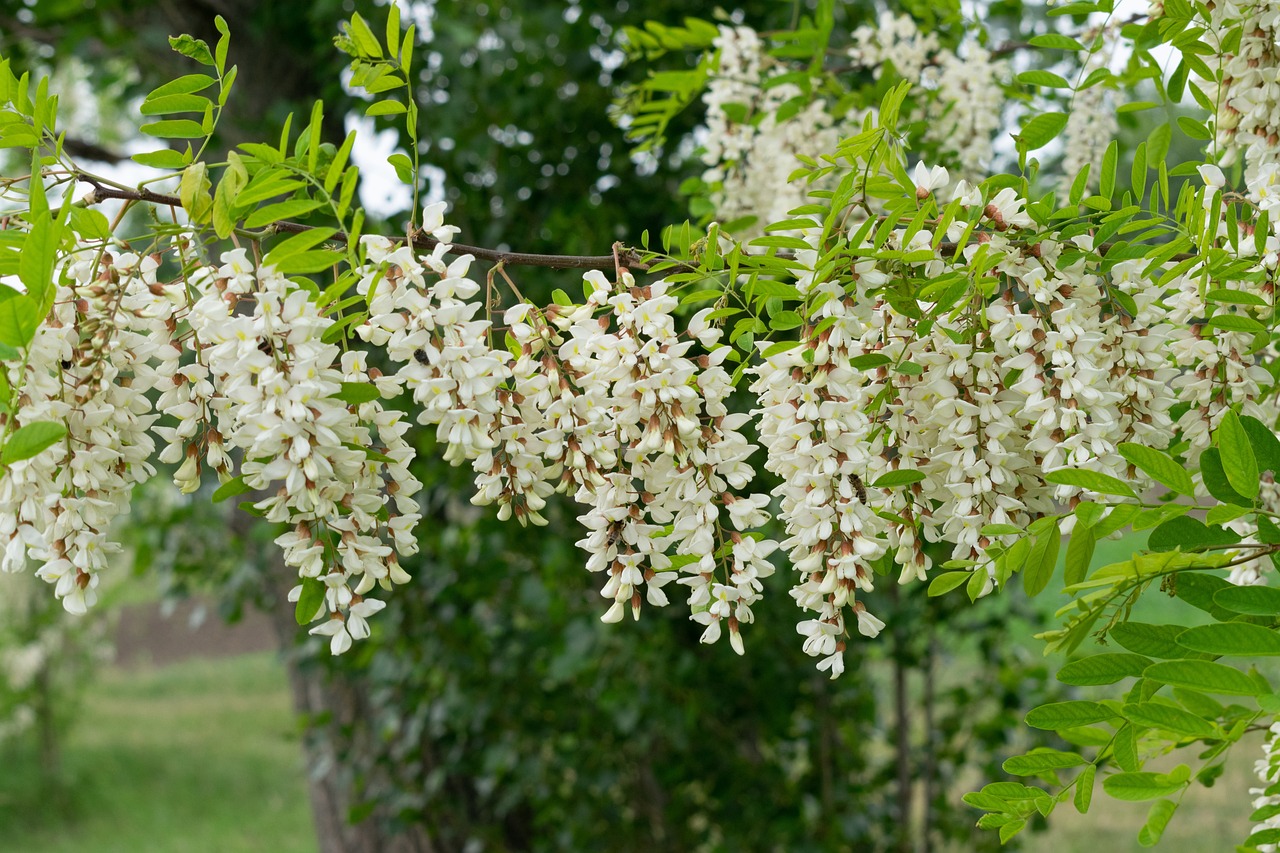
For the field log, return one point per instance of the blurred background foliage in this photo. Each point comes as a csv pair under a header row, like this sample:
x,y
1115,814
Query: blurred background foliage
x,y
492,710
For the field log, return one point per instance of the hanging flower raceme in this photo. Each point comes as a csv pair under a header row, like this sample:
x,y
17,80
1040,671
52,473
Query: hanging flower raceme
x,y
105,345
263,385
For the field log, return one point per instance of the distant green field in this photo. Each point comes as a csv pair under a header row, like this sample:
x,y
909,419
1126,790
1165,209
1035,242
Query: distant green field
x,y
201,757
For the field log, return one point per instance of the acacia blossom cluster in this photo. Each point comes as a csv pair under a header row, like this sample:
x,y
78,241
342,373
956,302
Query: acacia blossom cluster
x,y
1064,358
250,379
1248,120
1048,356
265,385
1091,124
1267,769
104,346
748,148
601,401
966,85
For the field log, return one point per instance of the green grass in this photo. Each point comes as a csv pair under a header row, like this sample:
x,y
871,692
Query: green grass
x,y
200,756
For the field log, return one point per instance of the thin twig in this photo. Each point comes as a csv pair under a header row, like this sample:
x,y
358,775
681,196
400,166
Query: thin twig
x,y
420,241
608,263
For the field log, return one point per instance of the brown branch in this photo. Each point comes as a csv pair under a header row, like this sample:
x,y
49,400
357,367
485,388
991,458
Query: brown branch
x,y
626,257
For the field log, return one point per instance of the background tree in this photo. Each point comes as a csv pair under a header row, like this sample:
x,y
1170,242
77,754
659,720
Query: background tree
x,y
531,167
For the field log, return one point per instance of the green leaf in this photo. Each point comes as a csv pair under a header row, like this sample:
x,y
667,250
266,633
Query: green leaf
x,y
1220,514
230,489
1041,129
1251,600
1157,819
176,128
182,86
945,582
1266,447
1188,534
27,441
192,48
1215,479
364,38
1125,748
1106,668
1068,715
194,191
784,320
1262,836
310,601
1103,484
1231,638
902,477
1080,549
1237,455
1159,466
164,158
1157,641
1235,323
1204,675
1107,181
279,212
393,31
1192,128
166,104
1198,590
1010,829
1088,514
35,265
1056,41
386,108
1040,761
1041,561
1143,785
354,393
306,263
299,243
19,319
1157,715
403,166
1038,77
1084,788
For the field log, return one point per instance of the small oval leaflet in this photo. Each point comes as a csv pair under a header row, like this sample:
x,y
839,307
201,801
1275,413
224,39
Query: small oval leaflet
x,y
1067,715
29,440
1205,675
1106,668
1252,600
1231,638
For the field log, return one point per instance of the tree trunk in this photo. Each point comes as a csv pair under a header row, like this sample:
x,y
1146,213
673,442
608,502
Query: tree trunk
x,y
321,693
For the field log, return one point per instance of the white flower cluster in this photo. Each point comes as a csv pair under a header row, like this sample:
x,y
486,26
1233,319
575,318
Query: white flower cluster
x,y
1248,119
1091,124
1267,769
602,401
894,41
266,385
1062,359
748,149
105,344
964,112
965,115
